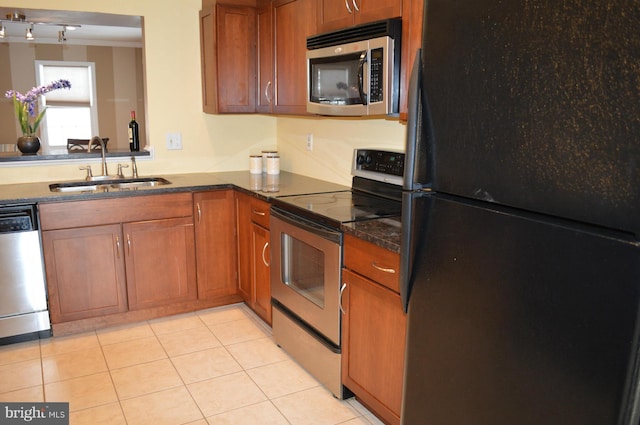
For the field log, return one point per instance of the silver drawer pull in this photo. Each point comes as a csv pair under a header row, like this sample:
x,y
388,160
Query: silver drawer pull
x,y
383,269
260,213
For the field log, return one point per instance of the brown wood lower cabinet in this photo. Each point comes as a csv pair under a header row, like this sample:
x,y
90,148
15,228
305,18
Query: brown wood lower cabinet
x,y
373,330
260,261
214,215
160,262
254,281
85,272
113,255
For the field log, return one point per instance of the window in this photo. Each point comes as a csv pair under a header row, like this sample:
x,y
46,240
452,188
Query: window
x,y
71,114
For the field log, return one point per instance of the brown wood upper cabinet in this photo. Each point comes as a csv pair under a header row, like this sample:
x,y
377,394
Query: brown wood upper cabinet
x,y
254,55
254,51
265,74
228,57
337,14
293,22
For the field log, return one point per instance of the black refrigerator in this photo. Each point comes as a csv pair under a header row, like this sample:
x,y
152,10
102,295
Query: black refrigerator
x,y
521,215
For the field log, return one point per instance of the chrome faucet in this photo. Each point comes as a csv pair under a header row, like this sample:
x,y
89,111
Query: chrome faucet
x,y
96,139
134,167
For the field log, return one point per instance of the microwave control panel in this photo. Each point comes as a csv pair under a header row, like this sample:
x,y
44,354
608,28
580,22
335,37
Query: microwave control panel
x,y
376,87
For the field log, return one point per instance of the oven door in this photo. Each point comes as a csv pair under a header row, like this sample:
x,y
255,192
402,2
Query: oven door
x,y
306,260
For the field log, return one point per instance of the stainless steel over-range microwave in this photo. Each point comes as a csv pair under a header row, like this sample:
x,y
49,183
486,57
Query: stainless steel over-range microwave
x,y
355,71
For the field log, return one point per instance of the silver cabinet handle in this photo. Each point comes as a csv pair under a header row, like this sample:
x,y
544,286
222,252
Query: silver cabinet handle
x,y
264,249
117,246
346,4
260,213
342,288
199,212
129,243
355,5
383,269
266,91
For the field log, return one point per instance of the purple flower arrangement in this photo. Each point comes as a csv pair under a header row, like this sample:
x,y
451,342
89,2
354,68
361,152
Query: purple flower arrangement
x,y
25,105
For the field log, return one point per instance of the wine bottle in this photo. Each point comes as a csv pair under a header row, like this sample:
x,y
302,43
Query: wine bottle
x,y
134,139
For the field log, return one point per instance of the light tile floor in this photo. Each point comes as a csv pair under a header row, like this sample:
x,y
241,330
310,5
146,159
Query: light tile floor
x,y
217,367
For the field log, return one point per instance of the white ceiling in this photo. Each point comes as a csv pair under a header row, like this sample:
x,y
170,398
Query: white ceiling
x,y
100,29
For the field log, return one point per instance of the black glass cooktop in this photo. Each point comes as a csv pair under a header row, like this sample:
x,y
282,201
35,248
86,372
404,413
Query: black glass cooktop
x,y
335,208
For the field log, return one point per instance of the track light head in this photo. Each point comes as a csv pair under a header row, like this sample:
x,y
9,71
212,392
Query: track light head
x,y
29,34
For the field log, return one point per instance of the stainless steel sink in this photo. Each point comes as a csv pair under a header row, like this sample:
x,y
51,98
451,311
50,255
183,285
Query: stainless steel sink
x,y
139,183
105,185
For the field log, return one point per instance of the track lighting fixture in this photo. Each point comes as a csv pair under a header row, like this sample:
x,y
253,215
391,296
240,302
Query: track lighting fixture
x,y
18,19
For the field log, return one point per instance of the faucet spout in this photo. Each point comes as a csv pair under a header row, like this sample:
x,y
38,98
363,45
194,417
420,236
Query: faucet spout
x,y
96,139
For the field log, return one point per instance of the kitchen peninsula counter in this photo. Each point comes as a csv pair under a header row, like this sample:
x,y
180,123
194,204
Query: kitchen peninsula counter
x,y
288,184
383,232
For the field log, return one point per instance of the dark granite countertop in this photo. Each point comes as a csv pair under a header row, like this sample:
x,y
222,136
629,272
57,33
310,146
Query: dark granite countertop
x,y
288,184
383,232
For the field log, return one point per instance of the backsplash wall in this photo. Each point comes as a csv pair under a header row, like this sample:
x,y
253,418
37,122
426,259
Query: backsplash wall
x,y
334,140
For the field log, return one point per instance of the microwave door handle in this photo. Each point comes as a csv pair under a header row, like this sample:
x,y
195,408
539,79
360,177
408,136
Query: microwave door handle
x,y
362,63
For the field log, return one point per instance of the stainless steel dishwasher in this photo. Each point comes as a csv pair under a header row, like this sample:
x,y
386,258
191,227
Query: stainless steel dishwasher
x,y
23,294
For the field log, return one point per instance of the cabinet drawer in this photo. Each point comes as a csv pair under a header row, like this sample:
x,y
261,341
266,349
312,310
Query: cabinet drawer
x,y
372,261
64,215
260,212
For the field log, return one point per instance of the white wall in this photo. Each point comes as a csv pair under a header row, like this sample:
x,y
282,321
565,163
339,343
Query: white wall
x,y
333,143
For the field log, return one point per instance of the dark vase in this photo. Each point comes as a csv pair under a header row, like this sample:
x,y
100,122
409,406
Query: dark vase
x,y
29,144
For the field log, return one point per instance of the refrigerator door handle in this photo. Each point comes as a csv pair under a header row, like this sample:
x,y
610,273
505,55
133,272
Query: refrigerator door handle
x,y
413,127
406,255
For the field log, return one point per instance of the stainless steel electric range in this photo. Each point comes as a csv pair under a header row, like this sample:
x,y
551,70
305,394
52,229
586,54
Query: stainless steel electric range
x,y
306,259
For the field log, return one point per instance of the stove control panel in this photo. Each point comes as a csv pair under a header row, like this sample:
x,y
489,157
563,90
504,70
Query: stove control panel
x,y
381,165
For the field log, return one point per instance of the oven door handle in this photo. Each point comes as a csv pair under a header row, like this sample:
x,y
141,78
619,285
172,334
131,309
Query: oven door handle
x,y
307,225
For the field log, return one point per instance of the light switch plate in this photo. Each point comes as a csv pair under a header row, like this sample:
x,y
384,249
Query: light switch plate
x,y
174,141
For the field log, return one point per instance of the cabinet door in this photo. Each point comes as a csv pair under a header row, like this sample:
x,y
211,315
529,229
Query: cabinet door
x,y
376,10
243,226
334,14
85,272
337,14
265,93
412,11
160,262
261,258
294,21
373,332
227,40
215,243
